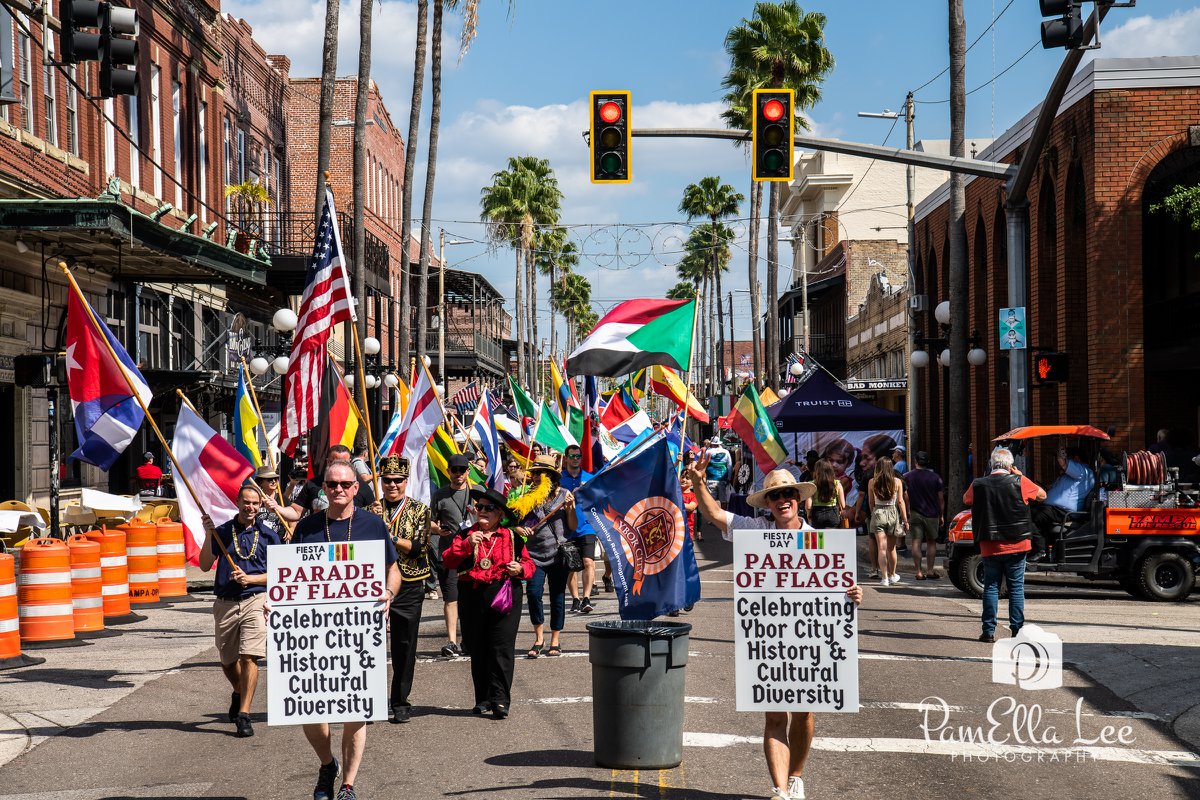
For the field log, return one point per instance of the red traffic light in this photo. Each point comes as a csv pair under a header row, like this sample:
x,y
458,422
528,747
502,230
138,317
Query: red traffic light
x,y
610,112
773,110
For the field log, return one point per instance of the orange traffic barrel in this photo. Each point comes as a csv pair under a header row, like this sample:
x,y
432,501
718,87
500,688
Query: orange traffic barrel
x,y
114,571
172,560
141,548
86,596
10,637
44,592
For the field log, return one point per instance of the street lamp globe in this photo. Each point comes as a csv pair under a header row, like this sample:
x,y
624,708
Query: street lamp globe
x,y
348,381
284,320
919,359
280,365
426,360
796,369
371,346
441,390
369,380
944,357
390,381
942,312
259,365
977,357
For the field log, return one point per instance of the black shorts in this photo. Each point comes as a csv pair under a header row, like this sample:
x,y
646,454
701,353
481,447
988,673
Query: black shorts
x,y
448,582
586,545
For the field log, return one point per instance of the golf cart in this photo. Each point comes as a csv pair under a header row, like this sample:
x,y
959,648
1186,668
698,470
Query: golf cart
x,y
1143,533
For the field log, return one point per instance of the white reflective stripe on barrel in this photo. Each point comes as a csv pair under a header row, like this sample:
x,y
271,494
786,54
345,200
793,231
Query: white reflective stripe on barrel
x,y
8,589
113,561
85,572
172,573
115,588
174,547
143,577
8,625
142,551
35,578
86,602
56,610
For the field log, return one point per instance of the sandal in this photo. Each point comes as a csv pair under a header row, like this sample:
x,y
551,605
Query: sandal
x,y
537,649
554,650
920,576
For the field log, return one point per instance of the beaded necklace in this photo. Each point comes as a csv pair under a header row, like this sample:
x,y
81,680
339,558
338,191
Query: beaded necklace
x,y
349,527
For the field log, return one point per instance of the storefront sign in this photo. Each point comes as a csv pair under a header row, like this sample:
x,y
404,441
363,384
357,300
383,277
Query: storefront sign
x,y
877,385
796,631
326,633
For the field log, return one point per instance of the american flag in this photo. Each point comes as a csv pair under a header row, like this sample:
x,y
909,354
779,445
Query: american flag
x,y
793,358
465,398
326,302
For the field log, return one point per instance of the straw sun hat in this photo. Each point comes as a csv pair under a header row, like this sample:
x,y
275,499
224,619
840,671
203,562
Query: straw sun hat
x,y
781,479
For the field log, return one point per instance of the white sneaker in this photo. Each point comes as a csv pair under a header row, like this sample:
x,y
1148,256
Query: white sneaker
x,y
895,579
884,582
796,787
779,794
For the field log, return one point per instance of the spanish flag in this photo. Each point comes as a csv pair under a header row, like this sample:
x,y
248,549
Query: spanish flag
x,y
338,420
666,382
245,422
752,424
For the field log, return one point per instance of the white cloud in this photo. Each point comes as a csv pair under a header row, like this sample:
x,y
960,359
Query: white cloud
x,y
1177,34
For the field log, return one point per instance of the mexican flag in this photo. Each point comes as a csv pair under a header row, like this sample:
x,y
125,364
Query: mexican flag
x,y
551,432
636,334
752,424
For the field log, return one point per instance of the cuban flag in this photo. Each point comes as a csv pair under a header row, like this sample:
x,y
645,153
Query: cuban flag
x,y
489,441
107,414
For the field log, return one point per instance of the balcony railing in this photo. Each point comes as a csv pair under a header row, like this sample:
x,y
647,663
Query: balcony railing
x,y
821,346
289,233
484,348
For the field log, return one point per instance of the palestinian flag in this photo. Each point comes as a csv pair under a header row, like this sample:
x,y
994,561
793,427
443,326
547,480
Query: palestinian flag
x,y
752,424
636,334
337,422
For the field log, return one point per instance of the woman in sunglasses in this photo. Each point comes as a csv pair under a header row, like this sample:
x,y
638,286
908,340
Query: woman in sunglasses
x,y
787,736
490,558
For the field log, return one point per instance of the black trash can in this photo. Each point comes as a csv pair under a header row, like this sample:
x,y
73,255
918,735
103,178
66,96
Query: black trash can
x,y
637,692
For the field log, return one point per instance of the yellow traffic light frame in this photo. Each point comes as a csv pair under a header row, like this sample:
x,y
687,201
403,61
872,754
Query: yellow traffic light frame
x,y
791,136
593,135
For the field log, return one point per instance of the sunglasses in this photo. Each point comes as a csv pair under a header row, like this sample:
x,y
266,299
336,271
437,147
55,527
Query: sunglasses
x,y
782,494
486,508
345,486
574,455
392,481
457,470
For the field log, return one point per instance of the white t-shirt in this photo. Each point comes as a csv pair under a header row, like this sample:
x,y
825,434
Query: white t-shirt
x,y
738,522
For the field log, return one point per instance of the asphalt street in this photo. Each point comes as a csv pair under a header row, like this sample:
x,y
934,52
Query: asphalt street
x,y
141,714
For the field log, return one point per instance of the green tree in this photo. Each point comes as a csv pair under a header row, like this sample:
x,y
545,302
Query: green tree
x,y
681,291
554,253
780,47
572,297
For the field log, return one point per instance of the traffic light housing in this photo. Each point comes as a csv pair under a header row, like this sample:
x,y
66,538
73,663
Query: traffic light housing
x,y
1067,30
74,43
118,51
1051,367
773,128
609,136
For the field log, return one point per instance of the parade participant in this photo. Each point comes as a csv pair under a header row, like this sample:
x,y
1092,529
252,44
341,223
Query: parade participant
x,y
547,520
827,506
787,736
720,466
925,494
311,498
240,589
889,518
1002,527
491,562
574,476
408,525
149,476
341,521
689,506
450,508
268,480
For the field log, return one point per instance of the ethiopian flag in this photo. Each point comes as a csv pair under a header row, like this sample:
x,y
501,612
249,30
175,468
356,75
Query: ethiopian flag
x,y
636,334
751,423
245,422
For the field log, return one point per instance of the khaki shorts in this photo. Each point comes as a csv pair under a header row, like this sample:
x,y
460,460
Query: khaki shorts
x,y
241,627
923,528
886,519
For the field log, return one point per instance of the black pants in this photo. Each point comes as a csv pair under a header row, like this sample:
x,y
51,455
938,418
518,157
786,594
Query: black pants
x,y
490,638
404,617
1045,518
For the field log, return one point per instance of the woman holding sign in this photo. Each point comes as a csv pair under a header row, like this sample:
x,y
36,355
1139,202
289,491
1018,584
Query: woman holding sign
x,y
491,563
787,736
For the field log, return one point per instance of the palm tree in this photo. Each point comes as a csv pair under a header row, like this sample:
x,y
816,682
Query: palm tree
x,y
435,118
708,255
410,162
553,251
362,99
780,47
681,291
249,199
710,199
737,116
572,297
520,199
328,85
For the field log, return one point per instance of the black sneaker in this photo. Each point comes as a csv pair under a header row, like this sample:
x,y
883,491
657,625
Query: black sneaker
x,y
595,591
450,650
244,729
235,705
608,584
401,714
574,605
346,792
325,778
585,607
482,708
987,638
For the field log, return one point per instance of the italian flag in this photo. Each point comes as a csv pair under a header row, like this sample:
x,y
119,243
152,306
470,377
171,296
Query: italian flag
x,y
750,422
636,334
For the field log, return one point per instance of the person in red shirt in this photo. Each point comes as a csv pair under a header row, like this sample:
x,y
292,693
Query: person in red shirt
x,y
489,557
1002,527
148,475
689,505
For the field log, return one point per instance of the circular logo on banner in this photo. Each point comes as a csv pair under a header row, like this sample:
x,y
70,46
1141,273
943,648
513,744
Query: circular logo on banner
x,y
659,528
760,430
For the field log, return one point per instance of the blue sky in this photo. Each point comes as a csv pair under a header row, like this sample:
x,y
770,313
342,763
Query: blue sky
x,y
522,87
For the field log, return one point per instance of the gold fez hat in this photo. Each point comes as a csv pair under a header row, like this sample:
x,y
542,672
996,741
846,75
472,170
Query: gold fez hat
x,y
394,465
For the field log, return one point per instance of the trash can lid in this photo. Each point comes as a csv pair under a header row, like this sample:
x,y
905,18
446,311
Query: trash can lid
x,y
651,629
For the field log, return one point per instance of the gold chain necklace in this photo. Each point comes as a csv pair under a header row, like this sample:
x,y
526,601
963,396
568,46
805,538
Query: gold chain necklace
x,y
349,527
253,546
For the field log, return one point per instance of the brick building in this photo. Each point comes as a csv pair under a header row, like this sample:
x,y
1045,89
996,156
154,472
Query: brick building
x,y
877,344
1110,283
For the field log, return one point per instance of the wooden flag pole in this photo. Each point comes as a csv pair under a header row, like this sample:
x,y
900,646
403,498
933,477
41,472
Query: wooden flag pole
x,y
687,399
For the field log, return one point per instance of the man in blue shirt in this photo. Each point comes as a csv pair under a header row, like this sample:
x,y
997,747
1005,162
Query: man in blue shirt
x,y
240,587
573,476
1068,494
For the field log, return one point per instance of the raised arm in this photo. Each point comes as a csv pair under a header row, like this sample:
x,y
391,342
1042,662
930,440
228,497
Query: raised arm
x,y
709,507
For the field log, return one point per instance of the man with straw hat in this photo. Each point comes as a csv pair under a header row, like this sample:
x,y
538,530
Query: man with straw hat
x,y
787,736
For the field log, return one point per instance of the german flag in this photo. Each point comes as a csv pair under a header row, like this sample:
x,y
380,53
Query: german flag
x,y
337,423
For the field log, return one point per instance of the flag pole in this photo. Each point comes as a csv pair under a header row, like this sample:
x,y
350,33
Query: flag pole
x,y
362,379
687,399
262,422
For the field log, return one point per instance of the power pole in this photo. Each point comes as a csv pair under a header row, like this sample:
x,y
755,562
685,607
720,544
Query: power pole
x,y
956,407
911,180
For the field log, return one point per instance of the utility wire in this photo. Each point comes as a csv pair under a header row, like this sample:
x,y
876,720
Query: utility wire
x,y
995,19
982,86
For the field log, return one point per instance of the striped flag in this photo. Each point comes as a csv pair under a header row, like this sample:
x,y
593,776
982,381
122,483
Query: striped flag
x,y
421,418
338,422
793,358
245,422
465,398
326,301
489,441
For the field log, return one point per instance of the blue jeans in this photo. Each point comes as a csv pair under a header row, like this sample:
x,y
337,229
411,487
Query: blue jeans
x,y
558,596
1012,569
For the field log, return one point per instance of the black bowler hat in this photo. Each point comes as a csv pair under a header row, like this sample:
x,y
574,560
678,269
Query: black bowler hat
x,y
496,499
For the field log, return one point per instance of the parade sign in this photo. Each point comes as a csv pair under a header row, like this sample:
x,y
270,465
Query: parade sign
x,y
796,631
326,633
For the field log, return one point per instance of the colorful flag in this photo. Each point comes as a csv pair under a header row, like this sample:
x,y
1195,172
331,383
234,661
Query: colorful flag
x,y
636,334
523,404
337,423
636,509
438,452
550,431
631,428
591,396
422,417
214,470
666,382
576,423
107,414
564,397
393,429
465,398
751,423
489,441
245,422
325,302
620,408
588,450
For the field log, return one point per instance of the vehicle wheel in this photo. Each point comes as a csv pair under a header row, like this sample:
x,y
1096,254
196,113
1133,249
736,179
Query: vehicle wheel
x,y
968,576
954,573
1166,577
1132,585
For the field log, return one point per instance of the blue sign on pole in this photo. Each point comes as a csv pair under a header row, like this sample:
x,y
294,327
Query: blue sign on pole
x,y
1012,328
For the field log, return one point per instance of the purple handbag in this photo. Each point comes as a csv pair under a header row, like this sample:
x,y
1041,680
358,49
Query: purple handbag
x,y
502,602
